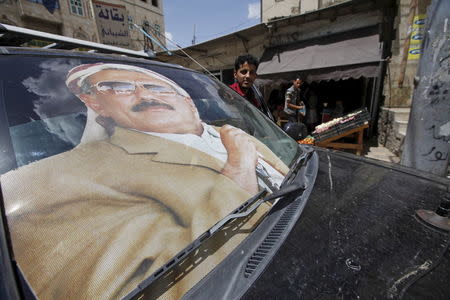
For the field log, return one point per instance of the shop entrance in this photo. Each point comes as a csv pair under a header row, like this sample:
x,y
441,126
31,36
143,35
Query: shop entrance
x,y
351,93
334,97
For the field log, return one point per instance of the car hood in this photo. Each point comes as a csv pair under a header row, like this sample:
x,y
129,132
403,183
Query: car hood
x,y
359,237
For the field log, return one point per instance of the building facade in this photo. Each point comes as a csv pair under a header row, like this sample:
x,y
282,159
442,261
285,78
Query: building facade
x,y
342,49
300,25
400,66
401,71
276,9
108,21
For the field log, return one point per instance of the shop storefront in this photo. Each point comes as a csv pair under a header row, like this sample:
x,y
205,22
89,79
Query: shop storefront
x,y
341,69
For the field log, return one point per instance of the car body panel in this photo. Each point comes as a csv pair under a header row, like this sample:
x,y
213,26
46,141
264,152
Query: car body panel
x,y
359,237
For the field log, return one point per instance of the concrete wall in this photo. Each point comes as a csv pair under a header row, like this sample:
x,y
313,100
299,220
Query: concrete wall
x,y
35,16
308,5
279,8
322,27
273,9
327,3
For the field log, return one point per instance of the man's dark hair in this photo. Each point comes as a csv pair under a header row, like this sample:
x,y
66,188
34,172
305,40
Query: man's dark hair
x,y
301,77
246,58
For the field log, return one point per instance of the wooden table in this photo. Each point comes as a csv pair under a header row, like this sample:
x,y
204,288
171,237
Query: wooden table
x,y
358,146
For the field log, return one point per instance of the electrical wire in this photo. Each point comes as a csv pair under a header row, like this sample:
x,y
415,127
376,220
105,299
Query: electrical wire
x,y
175,44
150,37
190,57
181,49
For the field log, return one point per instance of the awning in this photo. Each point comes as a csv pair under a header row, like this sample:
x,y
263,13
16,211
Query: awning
x,y
347,55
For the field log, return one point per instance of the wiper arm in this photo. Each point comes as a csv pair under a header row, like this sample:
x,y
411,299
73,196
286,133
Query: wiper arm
x,y
301,161
285,191
252,204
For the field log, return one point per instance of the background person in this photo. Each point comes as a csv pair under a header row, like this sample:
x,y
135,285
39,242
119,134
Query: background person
x,y
294,106
245,67
338,110
326,113
312,119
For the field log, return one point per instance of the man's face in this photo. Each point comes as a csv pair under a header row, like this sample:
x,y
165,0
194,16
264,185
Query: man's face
x,y
297,83
245,75
138,101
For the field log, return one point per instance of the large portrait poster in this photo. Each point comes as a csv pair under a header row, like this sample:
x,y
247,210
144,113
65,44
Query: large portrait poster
x,y
112,24
122,167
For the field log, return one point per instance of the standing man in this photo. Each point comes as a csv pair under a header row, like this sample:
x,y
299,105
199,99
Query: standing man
x,y
294,105
245,67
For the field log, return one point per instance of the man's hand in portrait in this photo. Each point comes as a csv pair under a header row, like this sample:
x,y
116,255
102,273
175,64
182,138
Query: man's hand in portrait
x,y
242,158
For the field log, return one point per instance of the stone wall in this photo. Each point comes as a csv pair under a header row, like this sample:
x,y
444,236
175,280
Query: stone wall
x,y
388,134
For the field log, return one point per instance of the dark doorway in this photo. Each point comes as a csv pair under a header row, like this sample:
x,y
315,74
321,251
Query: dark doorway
x,y
354,94
348,91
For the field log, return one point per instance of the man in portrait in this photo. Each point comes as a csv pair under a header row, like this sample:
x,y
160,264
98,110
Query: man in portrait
x,y
148,178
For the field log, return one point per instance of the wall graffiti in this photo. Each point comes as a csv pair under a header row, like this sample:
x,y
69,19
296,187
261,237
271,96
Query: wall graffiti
x,y
427,143
435,155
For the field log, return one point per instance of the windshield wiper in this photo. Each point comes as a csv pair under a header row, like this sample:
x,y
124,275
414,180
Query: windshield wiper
x,y
301,161
285,191
244,210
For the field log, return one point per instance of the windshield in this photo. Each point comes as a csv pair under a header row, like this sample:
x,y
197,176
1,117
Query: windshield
x,y
109,169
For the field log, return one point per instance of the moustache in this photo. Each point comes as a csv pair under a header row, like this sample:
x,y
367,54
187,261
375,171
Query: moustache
x,y
150,103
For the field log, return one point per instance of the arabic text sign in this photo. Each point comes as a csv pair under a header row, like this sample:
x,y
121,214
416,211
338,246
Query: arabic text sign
x,y
417,35
112,24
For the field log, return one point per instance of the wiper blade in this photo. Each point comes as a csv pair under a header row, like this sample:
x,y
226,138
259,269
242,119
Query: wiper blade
x,y
301,161
252,204
285,191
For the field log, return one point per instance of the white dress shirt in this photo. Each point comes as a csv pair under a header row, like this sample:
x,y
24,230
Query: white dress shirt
x,y
210,143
